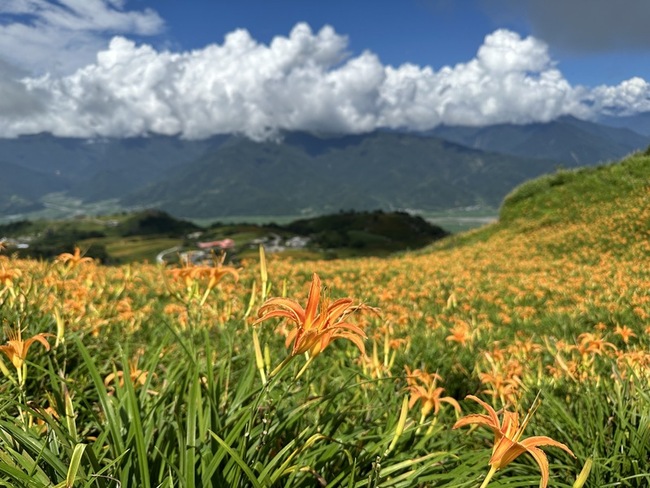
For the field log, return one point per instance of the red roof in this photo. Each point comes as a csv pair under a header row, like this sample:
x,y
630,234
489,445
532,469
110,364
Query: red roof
x,y
222,244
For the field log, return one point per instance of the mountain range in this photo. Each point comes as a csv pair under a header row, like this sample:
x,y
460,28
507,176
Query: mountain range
x,y
306,173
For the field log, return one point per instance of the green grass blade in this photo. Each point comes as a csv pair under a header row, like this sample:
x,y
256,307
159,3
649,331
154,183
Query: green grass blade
x,y
35,446
135,428
240,462
75,464
112,420
193,404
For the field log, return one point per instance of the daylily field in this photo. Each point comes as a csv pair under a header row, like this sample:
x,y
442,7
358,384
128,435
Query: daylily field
x,y
517,355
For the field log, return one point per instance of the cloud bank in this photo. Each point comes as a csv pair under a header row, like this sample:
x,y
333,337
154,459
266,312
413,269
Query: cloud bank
x,y
303,81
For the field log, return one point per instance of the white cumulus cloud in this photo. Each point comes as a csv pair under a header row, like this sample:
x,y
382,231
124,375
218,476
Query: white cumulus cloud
x,y
626,98
304,81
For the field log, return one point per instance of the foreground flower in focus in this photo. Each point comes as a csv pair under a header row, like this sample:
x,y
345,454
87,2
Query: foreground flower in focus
x,y
315,330
507,446
16,350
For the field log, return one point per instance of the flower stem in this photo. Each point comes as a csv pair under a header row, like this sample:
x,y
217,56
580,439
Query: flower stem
x,y
280,367
304,368
489,476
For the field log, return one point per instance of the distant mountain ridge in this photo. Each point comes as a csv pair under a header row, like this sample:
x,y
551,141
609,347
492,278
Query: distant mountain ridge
x,y
375,171
304,173
639,123
89,169
568,140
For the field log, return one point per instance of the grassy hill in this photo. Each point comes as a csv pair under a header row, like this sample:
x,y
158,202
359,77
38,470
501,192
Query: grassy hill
x,y
603,209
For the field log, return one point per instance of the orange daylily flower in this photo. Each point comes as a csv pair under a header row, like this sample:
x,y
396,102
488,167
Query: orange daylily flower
x,y
185,273
507,444
137,375
625,332
460,333
73,259
592,343
214,273
503,386
315,330
16,349
423,387
7,276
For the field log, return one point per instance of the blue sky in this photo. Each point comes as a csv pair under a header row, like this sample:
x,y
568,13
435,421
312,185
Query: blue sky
x,y
398,31
90,68
424,32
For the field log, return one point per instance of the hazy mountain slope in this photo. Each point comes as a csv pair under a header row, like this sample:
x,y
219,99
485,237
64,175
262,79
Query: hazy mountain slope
x,y
639,123
306,173
100,169
567,140
310,173
21,188
130,164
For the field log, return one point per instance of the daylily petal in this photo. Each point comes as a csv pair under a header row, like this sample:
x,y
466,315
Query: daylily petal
x,y
10,352
490,410
312,300
287,303
505,451
510,424
338,308
477,418
305,340
356,340
451,401
279,313
38,337
290,337
542,462
542,440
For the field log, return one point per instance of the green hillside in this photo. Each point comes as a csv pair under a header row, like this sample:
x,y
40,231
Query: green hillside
x,y
602,209
361,372
566,195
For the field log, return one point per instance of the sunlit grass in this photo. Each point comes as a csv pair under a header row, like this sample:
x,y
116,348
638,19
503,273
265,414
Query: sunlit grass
x,y
139,248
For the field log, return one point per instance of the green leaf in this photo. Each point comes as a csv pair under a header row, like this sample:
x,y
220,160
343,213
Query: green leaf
x,y
240,462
